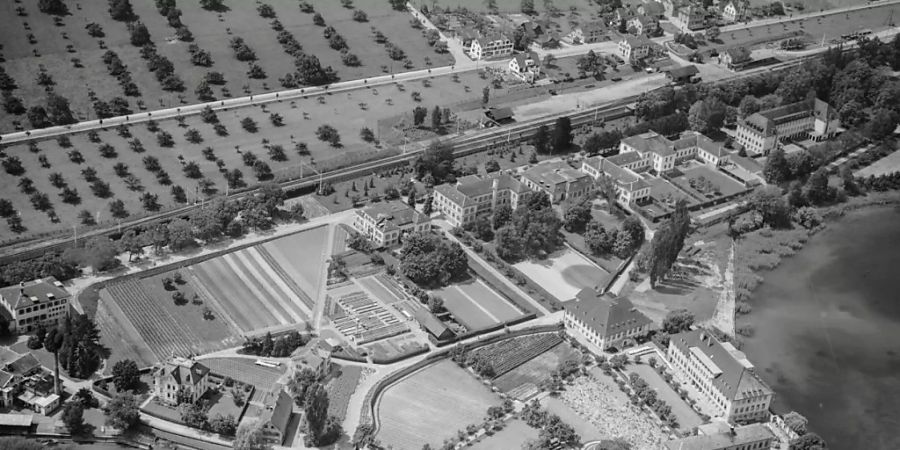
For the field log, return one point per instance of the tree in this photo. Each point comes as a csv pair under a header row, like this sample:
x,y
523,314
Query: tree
x,y
122,411
224,425
633,227
809,441
485,94
527,7
777,169
52,343
429,259
419,114
436,118
770,204
562,134
53,7
677,321
180,234
73,417
58,110
796,422
37,116
126,376
668,242
250,436
248,124
707,115
360,16
882,124
140,36
541,139
329,134
817,189
366,134
590,63
121,10
316,413
577,216
117,209
193,414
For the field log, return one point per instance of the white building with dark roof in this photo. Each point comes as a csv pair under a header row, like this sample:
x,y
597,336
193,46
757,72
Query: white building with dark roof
x,y
42,301
604,321
558,180
656,151
630,187
277,409
633,49
755,436
526,66
181,379
761,132
722,374
491,47
385,223
474,196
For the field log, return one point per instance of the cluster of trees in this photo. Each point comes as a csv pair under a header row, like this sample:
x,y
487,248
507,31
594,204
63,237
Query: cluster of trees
x,y
622,242
644,394
559,140
126,376
553,431
162,68
309,393
666,244
172,14
438,117
309,70
75,344
531,230
278,348
435,164
431,260
56,112
118,69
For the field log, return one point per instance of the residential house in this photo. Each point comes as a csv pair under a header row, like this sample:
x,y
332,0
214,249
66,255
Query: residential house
x,y
734,11
761,132
634,49
652,8
386,223
474,196
433,325
558,180
604,320
549,40
721,374
755,436
670,7
30,303
181,379
526,66
630,187
623,14
466,36
313,356
689,18
643,24
682,75
594,31
735,58
493,46
532,29
276,414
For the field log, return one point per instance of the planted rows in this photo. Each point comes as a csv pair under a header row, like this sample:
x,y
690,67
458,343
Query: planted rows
x,y
270,260
511,353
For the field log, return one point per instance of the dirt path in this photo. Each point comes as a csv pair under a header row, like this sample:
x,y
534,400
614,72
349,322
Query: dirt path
x,y
723,317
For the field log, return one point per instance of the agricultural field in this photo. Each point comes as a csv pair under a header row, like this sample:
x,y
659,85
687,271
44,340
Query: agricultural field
x,y
888,164
55,44
475,305
394,347
564,273
537,369
415,411
245,371
119,335
506,355
361,317
340,389
514,434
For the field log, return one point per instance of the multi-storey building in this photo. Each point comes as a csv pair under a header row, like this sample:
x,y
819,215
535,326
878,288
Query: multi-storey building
x,y
180,380
655,151
694,145
590,32
526,66
652,8
690,18
273,421
735,58
558,180
42,301
722,374
491,47
643,24
633,49
630,187
734,11
760,132
604,320
386,223
473,196
755,436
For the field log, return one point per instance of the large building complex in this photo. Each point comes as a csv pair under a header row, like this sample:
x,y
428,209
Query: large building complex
x,y
473,196
386,223
604,321
558,180
716,436
30,303
761,132
722,374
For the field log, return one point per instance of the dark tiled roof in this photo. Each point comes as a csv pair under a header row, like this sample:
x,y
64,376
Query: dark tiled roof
x,y
737,378
742,435
472,186
651,142
393,215
606,315
186,371
32,292
624,158
547,174
23,365
686,71
431,323
279,406
5,377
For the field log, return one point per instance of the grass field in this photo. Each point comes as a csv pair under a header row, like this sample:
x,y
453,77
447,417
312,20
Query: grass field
x,y
245,371
296,254
536,370
564,273
888,164
476,305
417,410
687,417
119,335
514,435
718,180
340,389
395,347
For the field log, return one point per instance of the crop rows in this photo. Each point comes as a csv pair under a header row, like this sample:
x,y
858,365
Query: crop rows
x,y
511,353
270,260
158,328
341,389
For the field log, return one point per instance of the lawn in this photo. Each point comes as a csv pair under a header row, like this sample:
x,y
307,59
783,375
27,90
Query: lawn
x,y
514,434
301,256
536,370
564,273
707,181
222,403
395,347
888,164
666,194
340,389
476,305
244,370
164,411
687,417
416,411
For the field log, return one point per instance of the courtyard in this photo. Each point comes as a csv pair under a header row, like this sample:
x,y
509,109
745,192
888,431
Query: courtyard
x,y
564,273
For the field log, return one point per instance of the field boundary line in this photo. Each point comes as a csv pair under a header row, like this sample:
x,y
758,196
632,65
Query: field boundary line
x,y
478,305
234,265
207,296
279,294
506,302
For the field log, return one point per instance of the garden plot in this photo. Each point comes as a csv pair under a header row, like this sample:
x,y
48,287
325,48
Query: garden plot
x,y
509,354
340,389
887,165
705,183
415,411
119,335
564,273
687,417
476,305
245,371
537,369
360,318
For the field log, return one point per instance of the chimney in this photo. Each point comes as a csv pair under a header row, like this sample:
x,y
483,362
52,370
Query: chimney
x,y
21,288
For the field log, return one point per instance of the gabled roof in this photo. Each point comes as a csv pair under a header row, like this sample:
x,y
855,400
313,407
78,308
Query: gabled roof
x,y
734,375
742,435
766,121
279,406
636,41
624,158
431,323
485,40
644,20
650,142
685,71
522,60
393,215
604,314
4,378
594,26
33,292
546,174
738,54
695,139
23,365
652,8
186,371
623,177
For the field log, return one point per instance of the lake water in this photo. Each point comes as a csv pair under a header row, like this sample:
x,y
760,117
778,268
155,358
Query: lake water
x,y
827,338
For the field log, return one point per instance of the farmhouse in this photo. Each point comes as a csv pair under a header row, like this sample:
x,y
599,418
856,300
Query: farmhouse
x,y
386,223
42,301
604,320
527,67
722,436
630,187
473,196
643,24
681,75
179,380
762,131
494,46
558,180
433,325
722,374
735,58
689,18
734,11
275,417
313,356
633,49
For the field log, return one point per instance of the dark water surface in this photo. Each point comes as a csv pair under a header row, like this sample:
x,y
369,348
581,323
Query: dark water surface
x,y
827,338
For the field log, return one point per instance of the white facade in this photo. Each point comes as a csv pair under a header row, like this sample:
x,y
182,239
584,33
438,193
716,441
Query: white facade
x,y
633,50
43,301
491,47
385,223
474,197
